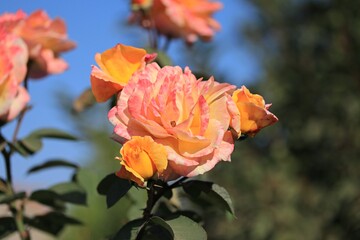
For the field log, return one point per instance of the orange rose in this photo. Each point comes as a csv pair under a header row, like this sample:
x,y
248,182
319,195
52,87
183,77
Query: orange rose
x,y
116,64
186,19
142,159
254,114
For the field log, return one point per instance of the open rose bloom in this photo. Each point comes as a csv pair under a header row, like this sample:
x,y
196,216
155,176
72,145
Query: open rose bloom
x,y
46,39
13,60
190,117
187,19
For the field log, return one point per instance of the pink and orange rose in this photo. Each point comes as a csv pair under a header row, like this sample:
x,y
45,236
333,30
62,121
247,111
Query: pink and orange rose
x,y
188,116
46,40
13,60
185,19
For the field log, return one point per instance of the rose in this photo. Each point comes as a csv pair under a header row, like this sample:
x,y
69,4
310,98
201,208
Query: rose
x,y
189,117
9,22
46,40
13,60
253,111
186,19
142,159
116,64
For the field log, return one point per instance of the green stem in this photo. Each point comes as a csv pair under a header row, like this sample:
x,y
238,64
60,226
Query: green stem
x,y
19,221
156,191
18,213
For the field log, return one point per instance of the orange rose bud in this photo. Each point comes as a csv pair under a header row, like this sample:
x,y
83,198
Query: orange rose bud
x,y
254,114
117,65
142,159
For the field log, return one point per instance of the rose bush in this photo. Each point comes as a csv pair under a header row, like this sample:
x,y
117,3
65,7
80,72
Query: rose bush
x,y
13,60
142,159
186,19
188,116
46,40
253,111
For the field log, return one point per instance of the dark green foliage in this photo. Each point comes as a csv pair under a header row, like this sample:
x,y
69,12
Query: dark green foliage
x,y
299,178
52,222
114,188
156,228
209,193
7,226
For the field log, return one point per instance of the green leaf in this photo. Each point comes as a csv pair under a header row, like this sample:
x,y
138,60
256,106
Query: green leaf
x,y
186,229
49,198
117,190
11,198
70,192
223,198
105,184
130,230
156,228
7,226
51,133
52,222
209,192
51,164
33,142
20,148
114,188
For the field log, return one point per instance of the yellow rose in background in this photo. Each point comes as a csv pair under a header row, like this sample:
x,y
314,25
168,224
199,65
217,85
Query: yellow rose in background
x,y
142,159
254,114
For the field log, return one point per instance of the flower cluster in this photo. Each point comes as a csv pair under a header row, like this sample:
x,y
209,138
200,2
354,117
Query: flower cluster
x,y
185,19
28,45
167,113
44,37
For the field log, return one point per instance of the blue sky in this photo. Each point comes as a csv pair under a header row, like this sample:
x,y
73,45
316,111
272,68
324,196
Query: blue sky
x,y
96,26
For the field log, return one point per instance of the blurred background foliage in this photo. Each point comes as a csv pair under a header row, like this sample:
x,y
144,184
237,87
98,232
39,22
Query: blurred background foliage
x,y
298,179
